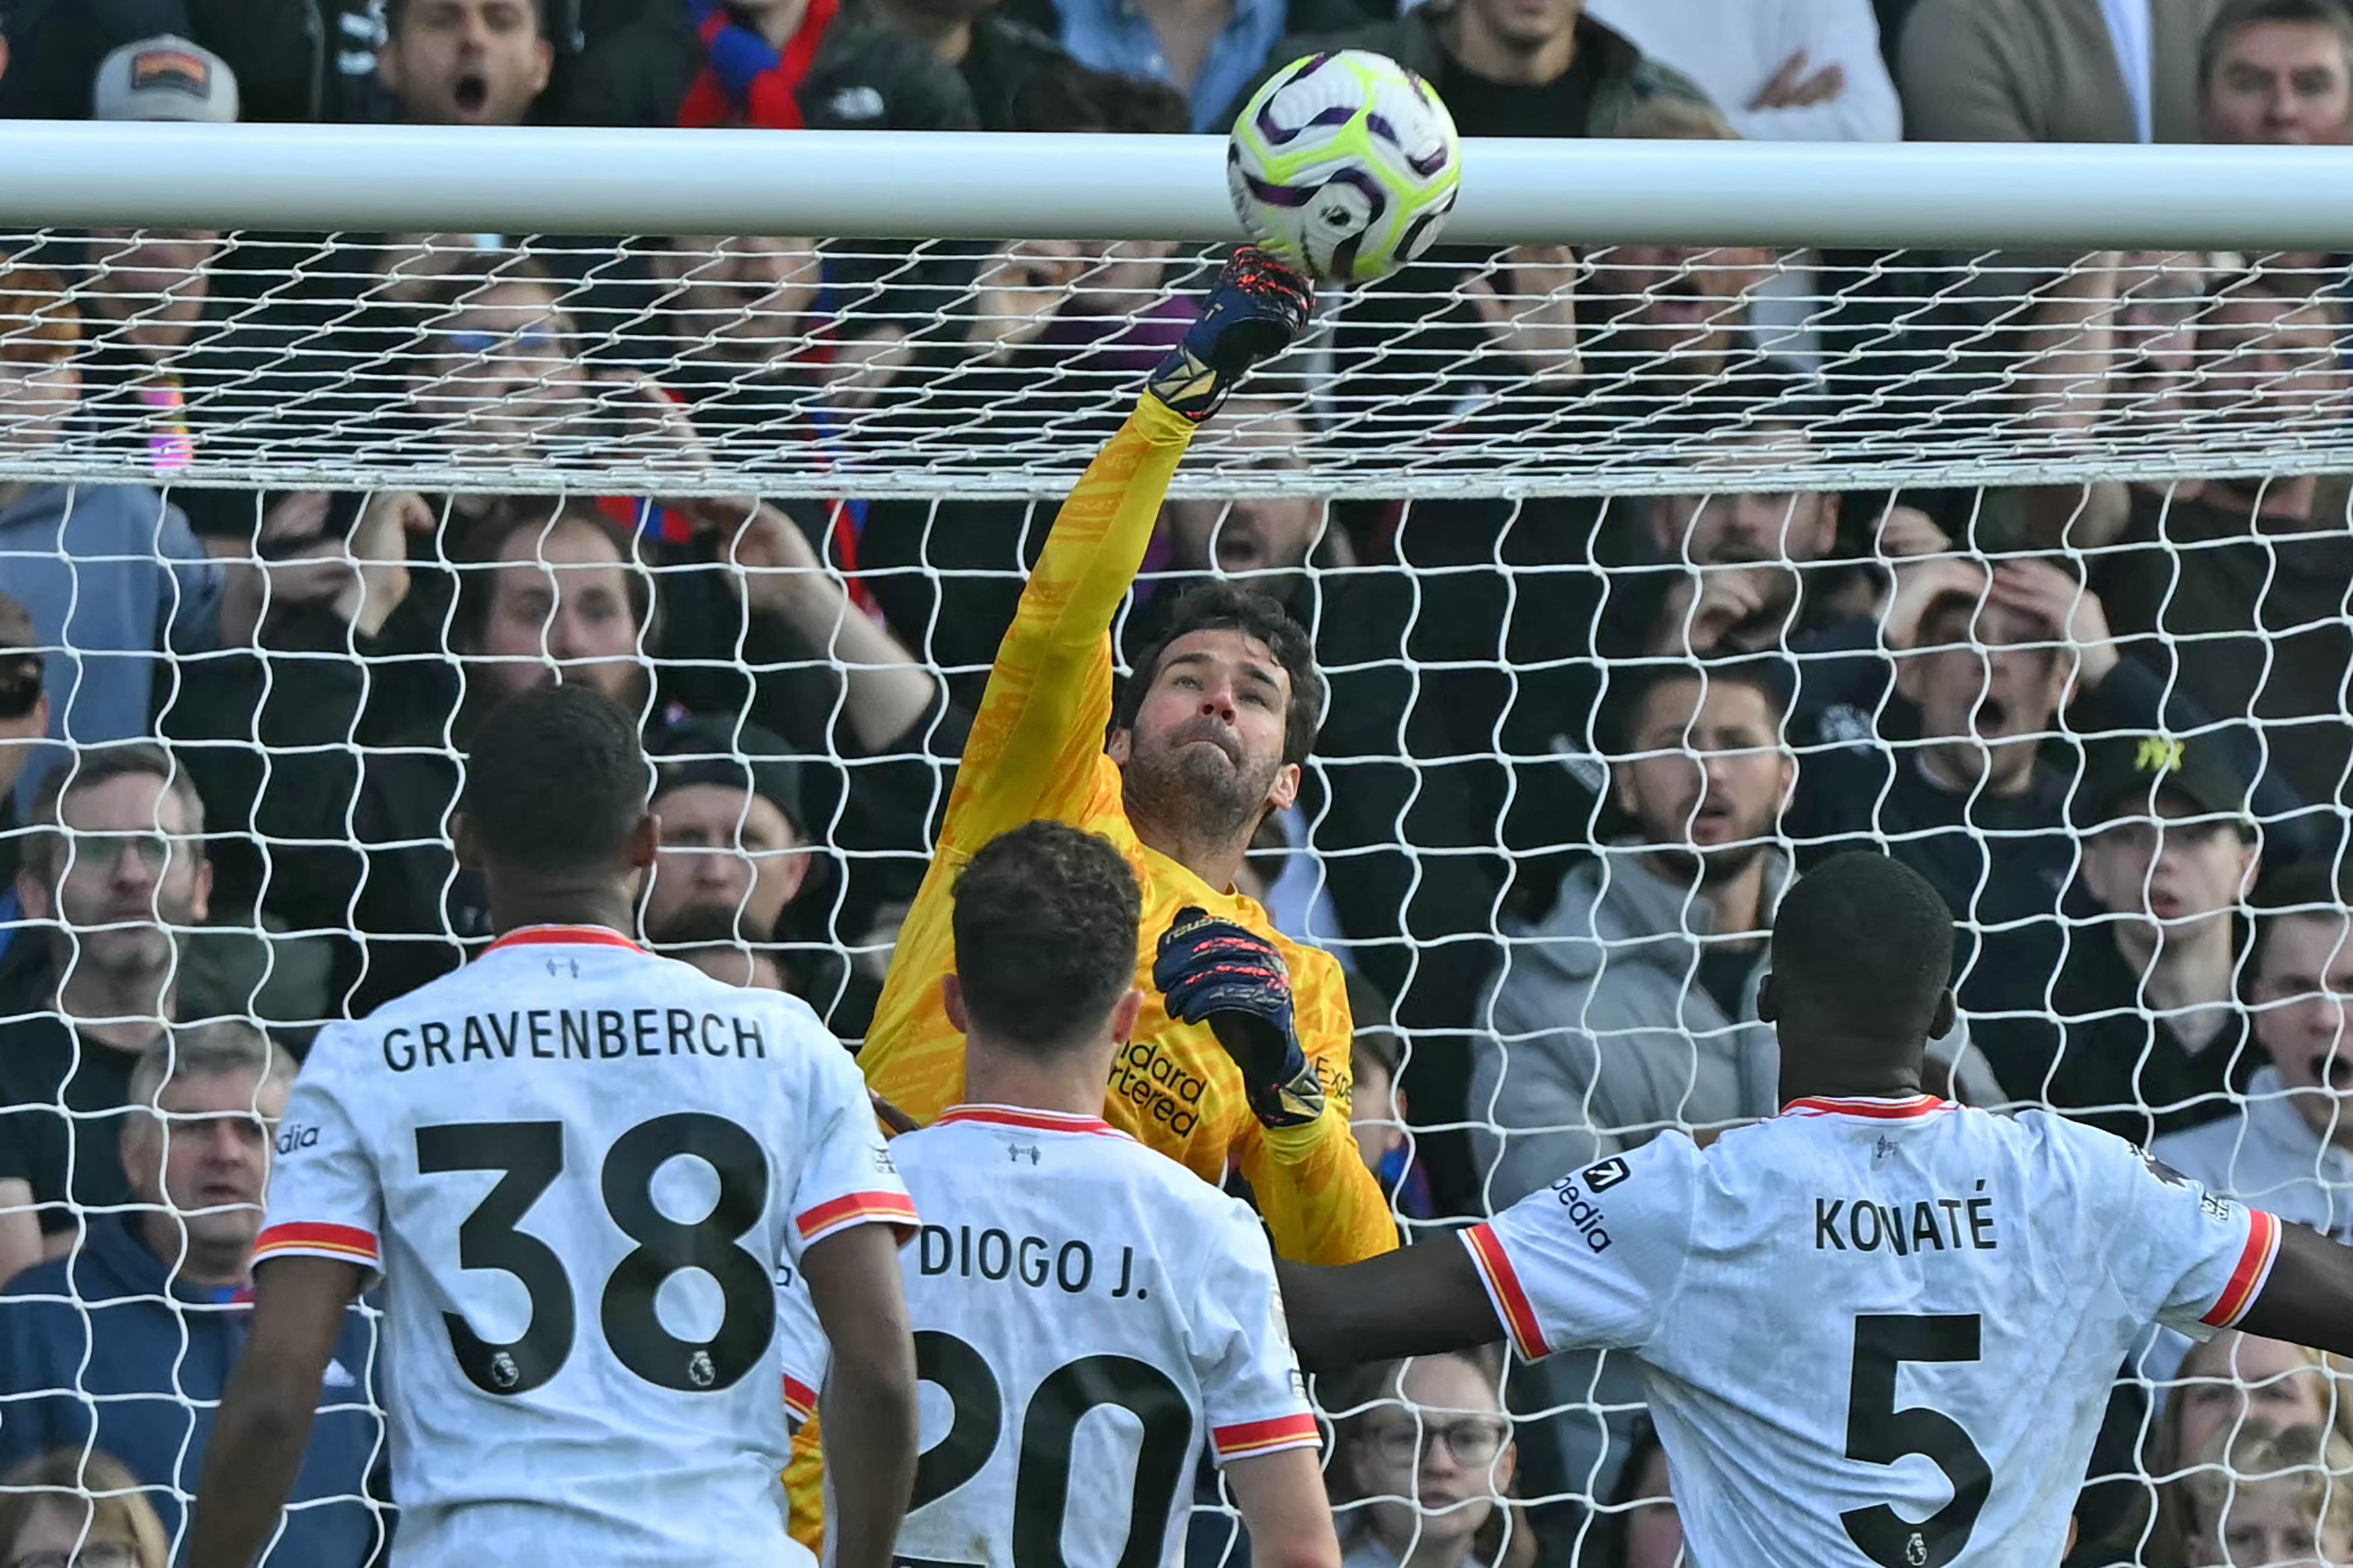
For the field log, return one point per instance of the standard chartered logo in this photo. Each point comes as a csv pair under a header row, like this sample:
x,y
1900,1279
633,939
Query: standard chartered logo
x,y
1143,1075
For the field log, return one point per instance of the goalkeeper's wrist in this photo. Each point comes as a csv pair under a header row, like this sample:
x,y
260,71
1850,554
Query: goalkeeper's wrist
x,y
1297,1144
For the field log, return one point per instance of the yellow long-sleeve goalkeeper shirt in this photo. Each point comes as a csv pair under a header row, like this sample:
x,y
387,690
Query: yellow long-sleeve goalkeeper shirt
x,y
1037,752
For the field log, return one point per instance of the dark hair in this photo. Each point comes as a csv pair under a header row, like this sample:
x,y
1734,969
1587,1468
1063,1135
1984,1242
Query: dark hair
x,y
2306,890
478,552
1630,691
1861,949
2237,16
556,779
45,848
1067,96
1613,1527
1230,607
1045,924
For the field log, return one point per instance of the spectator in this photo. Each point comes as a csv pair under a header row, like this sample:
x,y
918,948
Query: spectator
x,y
2155,1039
70,1501
61,51
1003,60
1639,1527
127,1344
1422,1465
115,870
2266,1496
1989,664
2221,587
779,64
715,941
1381,1115
1208,54
2050,70
1805,72
2235,1382
110,573
24,724
465,62
1631,1006
2277,72
2291,1148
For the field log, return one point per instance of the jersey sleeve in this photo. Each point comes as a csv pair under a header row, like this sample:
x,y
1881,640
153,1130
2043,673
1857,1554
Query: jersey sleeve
x,y
1251,1392
1322,1205
847,1175
2180,1254
801,1340
1039,729
1592,1260
326,1194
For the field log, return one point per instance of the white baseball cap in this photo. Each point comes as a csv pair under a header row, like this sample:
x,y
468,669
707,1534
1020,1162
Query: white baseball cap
x,y
164,77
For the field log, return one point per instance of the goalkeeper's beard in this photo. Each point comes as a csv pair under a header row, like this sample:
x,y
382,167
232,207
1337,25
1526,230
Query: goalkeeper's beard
x,y
1195,794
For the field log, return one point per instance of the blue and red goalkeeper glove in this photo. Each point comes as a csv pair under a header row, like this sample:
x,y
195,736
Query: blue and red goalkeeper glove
x,y
1255,309
1216,973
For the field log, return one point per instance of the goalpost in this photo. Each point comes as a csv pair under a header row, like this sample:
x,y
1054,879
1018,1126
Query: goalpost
x,y
340,358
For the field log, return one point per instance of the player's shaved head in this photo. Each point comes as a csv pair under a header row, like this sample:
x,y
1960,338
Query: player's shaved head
x,y
1045,924
557,783
1862,963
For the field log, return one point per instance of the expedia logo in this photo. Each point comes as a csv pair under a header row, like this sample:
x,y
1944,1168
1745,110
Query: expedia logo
x,y
1164,1091
293,1137
1601,1178
1585,1215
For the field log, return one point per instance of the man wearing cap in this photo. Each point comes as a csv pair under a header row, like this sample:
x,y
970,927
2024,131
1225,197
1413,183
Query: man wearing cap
x,y
2153,1034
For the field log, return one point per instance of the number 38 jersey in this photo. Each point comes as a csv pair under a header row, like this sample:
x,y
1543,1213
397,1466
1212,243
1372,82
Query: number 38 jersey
x,y
1083,1309
584,1172
1874,1332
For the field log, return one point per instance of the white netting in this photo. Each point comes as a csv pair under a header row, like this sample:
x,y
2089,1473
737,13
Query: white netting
x,y
294,507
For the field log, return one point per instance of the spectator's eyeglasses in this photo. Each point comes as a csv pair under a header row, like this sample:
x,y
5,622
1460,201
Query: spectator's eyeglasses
x,y
106,850
1472,1443
529,340
20,685
97,1555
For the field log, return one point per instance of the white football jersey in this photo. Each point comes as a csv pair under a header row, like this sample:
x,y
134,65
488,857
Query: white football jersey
x,y
1874,1331
1085,1309
582,1171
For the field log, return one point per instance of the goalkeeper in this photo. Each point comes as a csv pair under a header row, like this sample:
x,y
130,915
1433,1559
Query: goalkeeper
x,y
1241,1052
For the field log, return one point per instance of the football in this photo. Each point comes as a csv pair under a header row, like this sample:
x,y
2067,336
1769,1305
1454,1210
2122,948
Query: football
x,y
1344,164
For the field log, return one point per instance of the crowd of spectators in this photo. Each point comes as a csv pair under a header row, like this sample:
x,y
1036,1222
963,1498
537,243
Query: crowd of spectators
x,y
1574,749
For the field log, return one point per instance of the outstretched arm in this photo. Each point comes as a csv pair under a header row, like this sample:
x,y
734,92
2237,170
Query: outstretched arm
x,y
1417,1301
266,1412
2309,1300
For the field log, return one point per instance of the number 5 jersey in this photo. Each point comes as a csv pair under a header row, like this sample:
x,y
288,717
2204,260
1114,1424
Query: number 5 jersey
x,y
1874,1331
1086,1312
584,1172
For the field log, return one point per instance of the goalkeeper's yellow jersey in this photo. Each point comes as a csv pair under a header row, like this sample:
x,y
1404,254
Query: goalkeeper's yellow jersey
x,y
1037,752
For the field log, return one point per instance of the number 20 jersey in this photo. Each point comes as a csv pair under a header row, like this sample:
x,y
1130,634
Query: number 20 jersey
x,y
1084,1308
582,1172
1872,1330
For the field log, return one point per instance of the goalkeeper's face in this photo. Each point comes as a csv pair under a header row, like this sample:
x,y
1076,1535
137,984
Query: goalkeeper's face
x,y
1205,759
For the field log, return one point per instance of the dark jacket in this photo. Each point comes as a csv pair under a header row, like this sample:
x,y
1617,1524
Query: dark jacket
x,y
866,77
104,1348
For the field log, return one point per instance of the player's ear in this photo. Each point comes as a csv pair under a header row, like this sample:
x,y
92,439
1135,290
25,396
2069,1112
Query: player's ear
x,y
1947,1013
1285,789
644,843
1120,746
1768,1007
1124,1016
470,848
952,1003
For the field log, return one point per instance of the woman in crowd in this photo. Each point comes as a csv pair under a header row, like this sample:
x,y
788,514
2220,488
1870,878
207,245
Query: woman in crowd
x,y
1639,1528
2261,1495
65,1509
1422,1472
2232,1383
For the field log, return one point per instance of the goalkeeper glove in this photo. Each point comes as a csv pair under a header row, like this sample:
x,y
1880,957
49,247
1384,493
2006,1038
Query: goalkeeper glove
x,y
1216,973
1257,305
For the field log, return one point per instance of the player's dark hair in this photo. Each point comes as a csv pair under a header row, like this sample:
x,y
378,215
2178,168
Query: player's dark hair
x,y
1231,607
1045,925
1863,951
556,781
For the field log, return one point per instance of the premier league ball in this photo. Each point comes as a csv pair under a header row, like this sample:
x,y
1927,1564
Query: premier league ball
x,y
1344,164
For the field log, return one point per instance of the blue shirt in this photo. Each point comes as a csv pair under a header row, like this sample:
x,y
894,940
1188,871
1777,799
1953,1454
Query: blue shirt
x,y
1116,36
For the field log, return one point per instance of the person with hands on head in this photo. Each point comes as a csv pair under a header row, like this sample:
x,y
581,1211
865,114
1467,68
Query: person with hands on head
x,y
1243,1048
1935,1283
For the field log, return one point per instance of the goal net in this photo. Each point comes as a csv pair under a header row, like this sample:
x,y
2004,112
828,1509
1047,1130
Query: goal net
x,y
1642,574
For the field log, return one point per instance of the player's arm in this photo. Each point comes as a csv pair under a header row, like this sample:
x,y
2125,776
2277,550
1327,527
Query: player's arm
x,y
868,1405
1041,718
1417,1301
1285,1509
2308,1299
264,1423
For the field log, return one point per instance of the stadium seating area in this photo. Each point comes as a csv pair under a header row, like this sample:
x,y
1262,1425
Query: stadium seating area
x,y
1576,746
